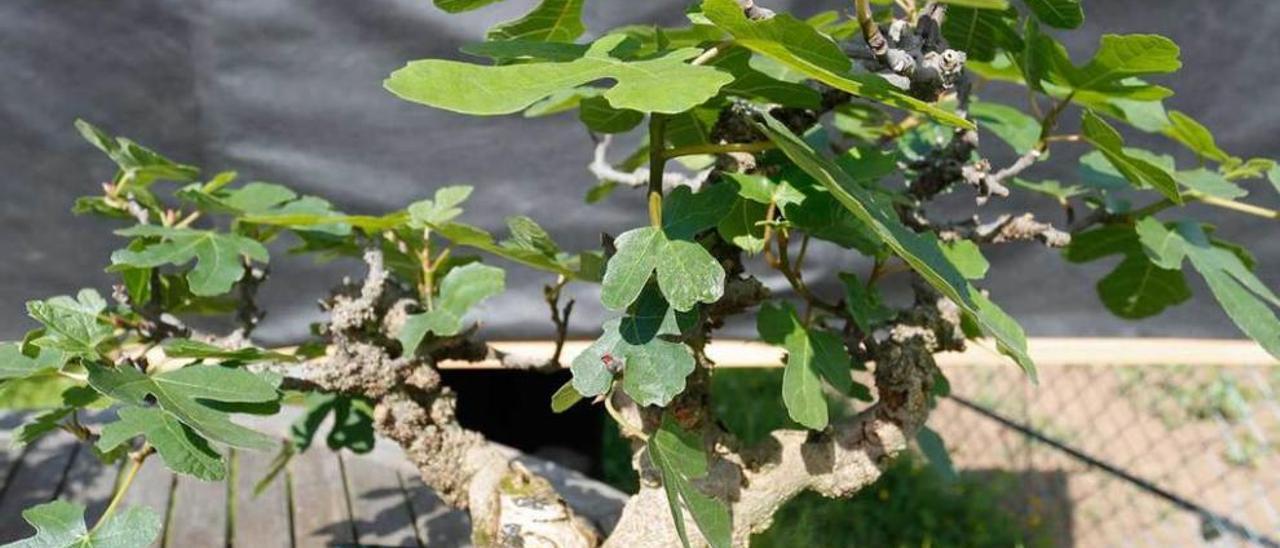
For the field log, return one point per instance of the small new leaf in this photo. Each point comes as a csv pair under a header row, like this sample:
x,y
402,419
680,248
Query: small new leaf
x,y
463,287
72,326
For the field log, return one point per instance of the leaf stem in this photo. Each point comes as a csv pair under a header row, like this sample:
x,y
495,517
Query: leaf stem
x,y
657,163
628,429
137,458
711,53
711,148
1197,196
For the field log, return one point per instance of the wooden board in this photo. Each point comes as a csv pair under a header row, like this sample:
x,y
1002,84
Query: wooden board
x,y
264,520
380,511
91,483
1046,351
199,514
320,510
35,480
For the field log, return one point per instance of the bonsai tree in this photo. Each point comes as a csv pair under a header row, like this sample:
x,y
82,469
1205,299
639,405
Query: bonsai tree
x,y
761,133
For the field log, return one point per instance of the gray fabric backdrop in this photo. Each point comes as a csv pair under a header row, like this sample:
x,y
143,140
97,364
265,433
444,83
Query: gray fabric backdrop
x,y
290,92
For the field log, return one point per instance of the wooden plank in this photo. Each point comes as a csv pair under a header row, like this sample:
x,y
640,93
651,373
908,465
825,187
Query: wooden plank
x,y
34,481
91,483
262,520
379,508
152,488
199,513
1046,351
437,524
321,516
9,454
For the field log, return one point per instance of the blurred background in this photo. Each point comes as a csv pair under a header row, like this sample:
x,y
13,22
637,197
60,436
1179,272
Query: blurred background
x,y
290,92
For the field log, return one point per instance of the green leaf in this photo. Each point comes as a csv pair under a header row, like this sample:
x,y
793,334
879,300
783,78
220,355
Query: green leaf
x,y
935,451
685,213
442,209
811,356
687,274
564,398
1162,246
1211,183
1050,188
459,6
679,458
1138,287
185,394
753,84
470,236
526,50
1126,56
980,4
1061,14
550,21
741,225
1119,59
666,84
979,33
1140,172
1246,300
73,398
967,258
802,48
923,252
1274,176
864,304
599,116
61,524
1195,136
528,235
462,288
182,449
187,348
641,346
72,326
139,166
1019,130
219,257
16,365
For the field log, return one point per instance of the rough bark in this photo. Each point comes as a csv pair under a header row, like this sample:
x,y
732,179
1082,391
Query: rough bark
x,y
839,462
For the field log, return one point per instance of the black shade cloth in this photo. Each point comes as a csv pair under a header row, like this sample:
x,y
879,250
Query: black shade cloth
x,y
290,92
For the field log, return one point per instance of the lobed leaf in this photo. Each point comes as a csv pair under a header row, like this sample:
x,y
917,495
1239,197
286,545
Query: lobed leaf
x,y
219,256
61,524
462,288
665,84
184,394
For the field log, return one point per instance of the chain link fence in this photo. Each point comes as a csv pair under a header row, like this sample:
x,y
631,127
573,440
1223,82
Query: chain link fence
x,y
1124,455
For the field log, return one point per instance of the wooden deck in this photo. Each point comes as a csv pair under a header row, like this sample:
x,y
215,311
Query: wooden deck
x,y
324,498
